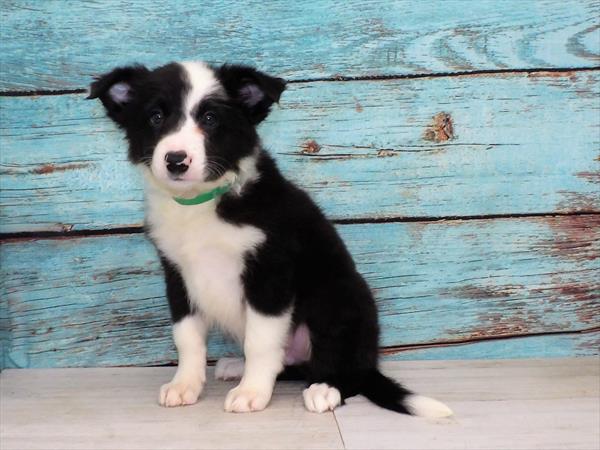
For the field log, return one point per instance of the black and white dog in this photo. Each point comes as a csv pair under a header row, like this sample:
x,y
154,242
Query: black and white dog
x,y
242,247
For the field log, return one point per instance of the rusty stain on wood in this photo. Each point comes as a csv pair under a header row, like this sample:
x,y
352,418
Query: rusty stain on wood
x,y
51,168
441,129
311,147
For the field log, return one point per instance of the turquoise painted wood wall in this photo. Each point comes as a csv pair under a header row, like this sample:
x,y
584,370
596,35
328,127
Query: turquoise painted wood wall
x,y
456,144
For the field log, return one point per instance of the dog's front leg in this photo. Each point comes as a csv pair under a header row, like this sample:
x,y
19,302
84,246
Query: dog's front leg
x,y
264,348
190,339
189,334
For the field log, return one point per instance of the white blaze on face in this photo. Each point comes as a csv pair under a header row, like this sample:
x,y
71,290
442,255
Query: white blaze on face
x,y
188,137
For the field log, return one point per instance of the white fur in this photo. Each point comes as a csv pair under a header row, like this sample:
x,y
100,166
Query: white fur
x,y
320,397
209,253
203,82
420,405
190,339
229,368
264,343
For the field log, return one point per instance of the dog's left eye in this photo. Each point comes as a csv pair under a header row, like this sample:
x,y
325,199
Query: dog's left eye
x,y
156,117
209,119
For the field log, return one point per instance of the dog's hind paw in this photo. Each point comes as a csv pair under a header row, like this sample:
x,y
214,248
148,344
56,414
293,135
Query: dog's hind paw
x,y
229,369
320,397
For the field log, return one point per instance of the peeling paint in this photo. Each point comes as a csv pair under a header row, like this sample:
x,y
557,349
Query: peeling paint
x,y
573,237
51,168
386,152
311,147
553,74
592,177
474,292
441,129
358,107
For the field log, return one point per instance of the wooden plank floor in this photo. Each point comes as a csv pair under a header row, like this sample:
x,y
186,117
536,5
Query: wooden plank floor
x,y
515,404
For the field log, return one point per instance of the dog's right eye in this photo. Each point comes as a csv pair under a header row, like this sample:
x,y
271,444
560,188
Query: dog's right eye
x,y
156,118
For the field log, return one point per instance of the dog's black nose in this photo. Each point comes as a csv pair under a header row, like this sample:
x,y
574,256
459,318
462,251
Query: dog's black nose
x,y
176,162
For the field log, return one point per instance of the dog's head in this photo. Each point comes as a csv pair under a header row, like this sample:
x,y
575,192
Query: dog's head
x,y
190,124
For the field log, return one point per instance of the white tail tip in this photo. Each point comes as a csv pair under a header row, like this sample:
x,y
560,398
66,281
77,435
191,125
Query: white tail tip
x,y
419,405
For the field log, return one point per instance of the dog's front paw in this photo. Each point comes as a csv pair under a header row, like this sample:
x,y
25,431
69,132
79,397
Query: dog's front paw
x,y
241,399
179,393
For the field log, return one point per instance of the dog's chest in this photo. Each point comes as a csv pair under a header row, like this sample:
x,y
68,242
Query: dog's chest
x,y
210,255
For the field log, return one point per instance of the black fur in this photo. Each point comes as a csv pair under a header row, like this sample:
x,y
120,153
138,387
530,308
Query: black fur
x,y
303,263
162,89
176,293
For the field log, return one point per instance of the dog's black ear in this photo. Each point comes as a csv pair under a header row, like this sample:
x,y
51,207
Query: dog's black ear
x,y
116,90
255,90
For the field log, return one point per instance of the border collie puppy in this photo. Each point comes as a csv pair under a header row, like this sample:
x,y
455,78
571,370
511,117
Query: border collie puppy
x,y
242,247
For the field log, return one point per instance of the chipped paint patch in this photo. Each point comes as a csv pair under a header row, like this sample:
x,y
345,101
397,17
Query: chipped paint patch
x,y
311,147
441,129
592,177
384,152
357,106
575,238
474,292
51,168
553,74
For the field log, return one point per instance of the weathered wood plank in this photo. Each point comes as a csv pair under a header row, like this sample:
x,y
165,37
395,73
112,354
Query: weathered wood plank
x,y
513,151
533,346
498,405
86,414
299,40
115,408
99,300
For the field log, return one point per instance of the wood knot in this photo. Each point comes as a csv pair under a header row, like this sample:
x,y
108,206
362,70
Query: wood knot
x,y
441,129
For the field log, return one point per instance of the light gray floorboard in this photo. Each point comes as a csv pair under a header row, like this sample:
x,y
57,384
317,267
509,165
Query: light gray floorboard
x,y
516,404
118,409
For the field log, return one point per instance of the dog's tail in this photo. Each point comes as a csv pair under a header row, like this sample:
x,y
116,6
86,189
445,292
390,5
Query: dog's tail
x,y
385,392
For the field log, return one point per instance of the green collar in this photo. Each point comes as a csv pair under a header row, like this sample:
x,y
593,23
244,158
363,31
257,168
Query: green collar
x,y
204,197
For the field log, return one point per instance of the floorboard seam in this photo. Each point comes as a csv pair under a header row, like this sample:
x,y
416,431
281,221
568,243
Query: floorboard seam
x,y
337,424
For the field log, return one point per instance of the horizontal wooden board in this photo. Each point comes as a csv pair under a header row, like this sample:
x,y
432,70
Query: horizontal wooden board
x,y
58,45
100,300
497,405
520,144
532,346
507,404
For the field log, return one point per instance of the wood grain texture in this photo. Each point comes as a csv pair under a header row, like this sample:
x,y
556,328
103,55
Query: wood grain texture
x,y
117,408
297,40
525,346
519,144
100,300
498,405
506,404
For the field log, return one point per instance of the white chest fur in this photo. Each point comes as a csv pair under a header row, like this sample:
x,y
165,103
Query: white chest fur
x,y
209,253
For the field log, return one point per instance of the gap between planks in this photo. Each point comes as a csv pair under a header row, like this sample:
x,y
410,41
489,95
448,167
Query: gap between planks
x,y
468,73
68,231
502,404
